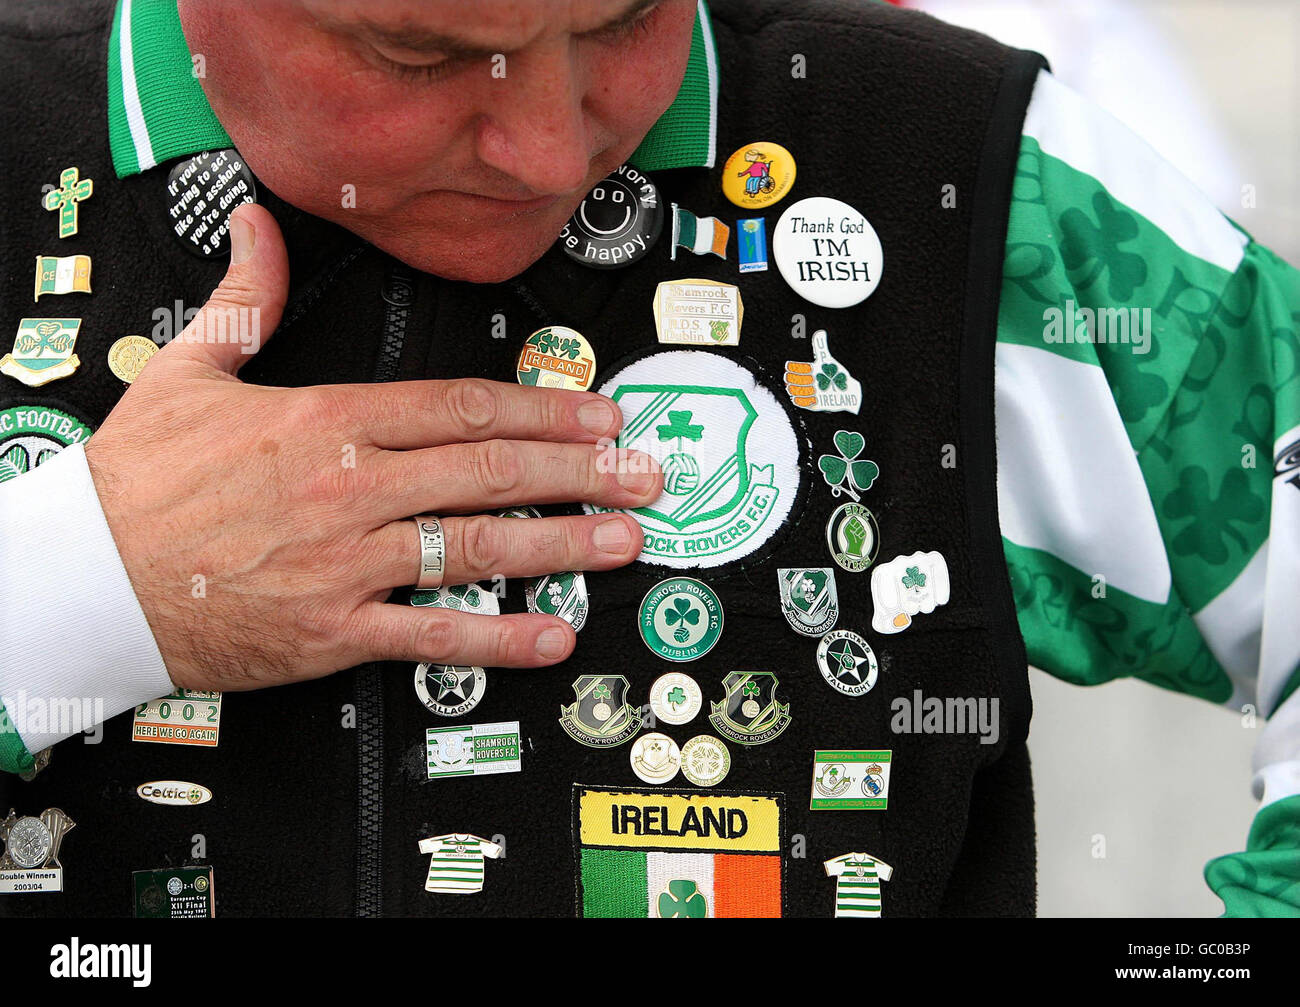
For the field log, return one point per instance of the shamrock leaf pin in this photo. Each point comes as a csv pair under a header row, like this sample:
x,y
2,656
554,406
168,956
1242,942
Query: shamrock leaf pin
x,y
682,614
846,472
832,375
913,578
601,691
749,689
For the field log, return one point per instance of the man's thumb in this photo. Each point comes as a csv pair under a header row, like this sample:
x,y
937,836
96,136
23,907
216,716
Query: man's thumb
x,y
245,308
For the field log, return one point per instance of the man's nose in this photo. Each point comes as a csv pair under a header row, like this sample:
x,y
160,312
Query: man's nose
x,y
535,130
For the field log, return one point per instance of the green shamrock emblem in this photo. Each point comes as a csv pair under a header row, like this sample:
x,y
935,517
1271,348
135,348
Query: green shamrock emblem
x,y
681,615
913,578
547,341
676,696
1083,242
49,336
749,689
846,472
831,374
1212,517
601,691
568,348
682,899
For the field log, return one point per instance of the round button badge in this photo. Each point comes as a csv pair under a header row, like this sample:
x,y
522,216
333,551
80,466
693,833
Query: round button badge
x,y
557,357
758,175
828,252
675,698
655,758
449,690
617,222
681,619
202,192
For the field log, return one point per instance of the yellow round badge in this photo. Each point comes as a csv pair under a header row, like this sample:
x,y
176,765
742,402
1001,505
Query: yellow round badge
x,y
557,357
758,175
127,356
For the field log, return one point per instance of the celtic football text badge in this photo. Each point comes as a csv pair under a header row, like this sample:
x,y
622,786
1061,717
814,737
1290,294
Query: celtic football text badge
x,y
32,435
601,717
30,862
727,448
750,713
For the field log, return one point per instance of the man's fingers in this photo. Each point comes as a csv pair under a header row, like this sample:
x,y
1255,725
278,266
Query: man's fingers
x,y
245,308
472,478
480,547
402,415
406,633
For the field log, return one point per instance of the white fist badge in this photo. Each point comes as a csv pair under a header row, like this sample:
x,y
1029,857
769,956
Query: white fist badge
x,y
906,586
824,385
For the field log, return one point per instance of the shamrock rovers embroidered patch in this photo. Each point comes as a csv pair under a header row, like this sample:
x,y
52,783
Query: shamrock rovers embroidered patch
x,y
728,451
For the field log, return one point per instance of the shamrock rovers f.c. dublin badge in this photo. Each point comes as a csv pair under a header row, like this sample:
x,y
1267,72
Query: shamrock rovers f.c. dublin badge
x,y
601,717
681,619
750,713
42,351
808,599
30,862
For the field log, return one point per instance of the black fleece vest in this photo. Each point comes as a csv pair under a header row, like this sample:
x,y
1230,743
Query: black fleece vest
x,y
314,818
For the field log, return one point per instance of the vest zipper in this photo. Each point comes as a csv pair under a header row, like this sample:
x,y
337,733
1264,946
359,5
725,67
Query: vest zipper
x,y
398,293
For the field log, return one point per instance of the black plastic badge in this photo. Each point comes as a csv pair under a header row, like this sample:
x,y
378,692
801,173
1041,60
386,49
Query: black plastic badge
x,y
617,223
202,193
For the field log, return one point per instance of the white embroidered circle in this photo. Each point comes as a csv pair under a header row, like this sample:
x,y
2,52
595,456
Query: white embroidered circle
x,y
729,453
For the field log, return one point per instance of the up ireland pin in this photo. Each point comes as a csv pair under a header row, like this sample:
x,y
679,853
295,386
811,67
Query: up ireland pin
x,y
828,252
823,385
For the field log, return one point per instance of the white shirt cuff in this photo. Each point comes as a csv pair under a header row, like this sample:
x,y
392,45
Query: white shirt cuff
x,y
75,646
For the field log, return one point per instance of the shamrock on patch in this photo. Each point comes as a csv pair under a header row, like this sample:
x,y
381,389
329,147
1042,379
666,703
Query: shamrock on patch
x,y
547,341
913,578
601,691
845,472
749,689
682,614
568,348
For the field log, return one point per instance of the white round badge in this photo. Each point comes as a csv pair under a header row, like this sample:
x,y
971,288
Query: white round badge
x,y
728,451
828,252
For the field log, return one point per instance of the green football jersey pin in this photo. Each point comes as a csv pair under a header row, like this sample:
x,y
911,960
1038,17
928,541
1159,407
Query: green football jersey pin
x,y
71,191
681,619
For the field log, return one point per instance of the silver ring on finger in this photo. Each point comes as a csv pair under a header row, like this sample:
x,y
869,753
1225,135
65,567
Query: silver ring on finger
x,y
433,551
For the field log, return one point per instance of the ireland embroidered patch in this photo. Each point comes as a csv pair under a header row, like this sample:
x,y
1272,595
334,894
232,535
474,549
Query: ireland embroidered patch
x,y
728,450
677,854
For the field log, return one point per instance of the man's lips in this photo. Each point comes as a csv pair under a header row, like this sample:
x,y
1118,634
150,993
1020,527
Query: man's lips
x,y
474,204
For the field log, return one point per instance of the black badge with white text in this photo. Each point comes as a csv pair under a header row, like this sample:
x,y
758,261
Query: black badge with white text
x,y
202,192
617,223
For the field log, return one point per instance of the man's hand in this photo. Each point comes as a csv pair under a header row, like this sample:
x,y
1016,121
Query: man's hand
x,y
246,487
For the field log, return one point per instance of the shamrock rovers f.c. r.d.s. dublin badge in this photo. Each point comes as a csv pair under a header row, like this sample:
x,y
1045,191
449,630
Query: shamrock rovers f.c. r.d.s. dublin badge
x,y
750,713
30,862
42,351
808,599
601,717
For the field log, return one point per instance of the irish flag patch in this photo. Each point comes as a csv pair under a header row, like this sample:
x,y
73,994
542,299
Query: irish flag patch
x,y
665,853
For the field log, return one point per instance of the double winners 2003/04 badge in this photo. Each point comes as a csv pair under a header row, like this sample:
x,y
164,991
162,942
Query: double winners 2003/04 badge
x,y
30,862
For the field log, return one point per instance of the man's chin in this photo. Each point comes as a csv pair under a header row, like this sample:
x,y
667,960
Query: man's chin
x,y
486,257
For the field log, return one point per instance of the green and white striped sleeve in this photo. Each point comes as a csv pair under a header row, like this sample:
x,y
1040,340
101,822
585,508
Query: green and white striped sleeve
x,y
1148,393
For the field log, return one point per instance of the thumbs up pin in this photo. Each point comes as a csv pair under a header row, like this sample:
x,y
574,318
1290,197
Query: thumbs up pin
x,y
824,385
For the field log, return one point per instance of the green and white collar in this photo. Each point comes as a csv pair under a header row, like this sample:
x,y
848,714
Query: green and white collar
x,y
157,109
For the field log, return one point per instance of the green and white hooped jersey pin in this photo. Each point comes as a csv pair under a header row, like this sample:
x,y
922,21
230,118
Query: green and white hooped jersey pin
x,y
600,716
750,713
681,619
32,435
847,662
560,594
449,690
853,537
809,600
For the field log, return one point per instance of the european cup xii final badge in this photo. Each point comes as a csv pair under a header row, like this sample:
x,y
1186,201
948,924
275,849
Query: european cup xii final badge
x,y
601,717
750,713
808,599
30,862
42,351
